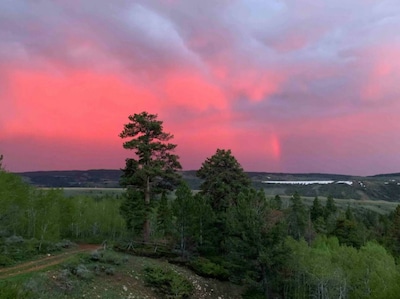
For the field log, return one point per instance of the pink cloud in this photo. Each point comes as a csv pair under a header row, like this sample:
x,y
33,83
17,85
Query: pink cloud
x,y
76,104
193,91
288,86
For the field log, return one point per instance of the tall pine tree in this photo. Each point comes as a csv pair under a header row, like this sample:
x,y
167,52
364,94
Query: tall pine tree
x,y
154,167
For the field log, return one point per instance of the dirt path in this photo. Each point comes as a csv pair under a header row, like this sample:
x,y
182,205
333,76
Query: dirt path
x,y
45,262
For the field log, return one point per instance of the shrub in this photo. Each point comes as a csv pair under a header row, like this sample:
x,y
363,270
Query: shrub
x,y
65,244
13,290
110,271
72,264
253,293
14,240
63,281
6,261
95,256
83,272
112,258
168,282
46,246
35,285
206,268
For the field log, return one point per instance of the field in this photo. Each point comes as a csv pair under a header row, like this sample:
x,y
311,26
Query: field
x,y
381,187
97,191
379,206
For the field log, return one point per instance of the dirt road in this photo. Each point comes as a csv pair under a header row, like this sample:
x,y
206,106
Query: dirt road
x,y
45,262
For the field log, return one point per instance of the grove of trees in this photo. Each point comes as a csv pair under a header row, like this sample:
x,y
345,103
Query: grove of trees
x,y
274,247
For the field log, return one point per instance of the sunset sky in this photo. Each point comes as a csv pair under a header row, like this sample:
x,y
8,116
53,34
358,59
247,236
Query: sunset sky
x,y
288,86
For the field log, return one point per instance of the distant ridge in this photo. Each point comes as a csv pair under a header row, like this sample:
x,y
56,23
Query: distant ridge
x,y
386,175
73,178
377,187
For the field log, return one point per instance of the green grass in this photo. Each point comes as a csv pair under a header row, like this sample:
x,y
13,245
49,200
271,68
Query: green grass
x,y
75,191
379,206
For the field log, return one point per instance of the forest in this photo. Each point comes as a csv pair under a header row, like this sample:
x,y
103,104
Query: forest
x,y
227,230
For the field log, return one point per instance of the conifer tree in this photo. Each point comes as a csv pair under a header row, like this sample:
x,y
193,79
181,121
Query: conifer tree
x,y
184,211
297,218
317,210
224,179
164,216
330,207
154,167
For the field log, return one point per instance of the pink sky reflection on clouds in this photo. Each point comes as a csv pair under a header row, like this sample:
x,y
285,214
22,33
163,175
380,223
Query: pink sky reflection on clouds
x,y
288,86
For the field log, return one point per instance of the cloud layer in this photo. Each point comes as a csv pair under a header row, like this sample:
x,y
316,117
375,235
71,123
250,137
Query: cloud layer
x,y
289,86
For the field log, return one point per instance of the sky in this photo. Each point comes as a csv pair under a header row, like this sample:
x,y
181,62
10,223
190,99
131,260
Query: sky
x,y
288,86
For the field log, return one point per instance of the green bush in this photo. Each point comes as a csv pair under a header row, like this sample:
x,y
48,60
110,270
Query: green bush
x,y
6,261
206,268
112,258
12,290
83,272
168,282
110,271
253,293
65,244
107,257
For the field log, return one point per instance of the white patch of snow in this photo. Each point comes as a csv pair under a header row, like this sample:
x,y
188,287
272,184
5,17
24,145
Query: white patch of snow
x,y
345,182
307,182
298,182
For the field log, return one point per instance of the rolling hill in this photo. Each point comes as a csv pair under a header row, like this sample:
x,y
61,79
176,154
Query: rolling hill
x,y
378,187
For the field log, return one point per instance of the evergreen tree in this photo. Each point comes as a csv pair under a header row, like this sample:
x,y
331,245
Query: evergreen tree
x,y
297,218
133,210
317,210
349,214
256,242
184,210
330,207
154,169
164,216
224,179
276,203
348,232
394,232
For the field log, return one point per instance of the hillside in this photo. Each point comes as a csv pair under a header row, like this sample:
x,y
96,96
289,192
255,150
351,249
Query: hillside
x,y
90,272
379,187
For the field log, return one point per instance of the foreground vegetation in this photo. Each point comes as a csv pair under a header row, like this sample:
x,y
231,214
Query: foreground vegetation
x,y
109,274
228,232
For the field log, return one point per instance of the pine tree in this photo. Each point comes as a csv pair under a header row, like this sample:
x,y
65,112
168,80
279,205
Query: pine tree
x,y
330,207
276,202
317,210
164,216
184,210
224,179
154,169
297,218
